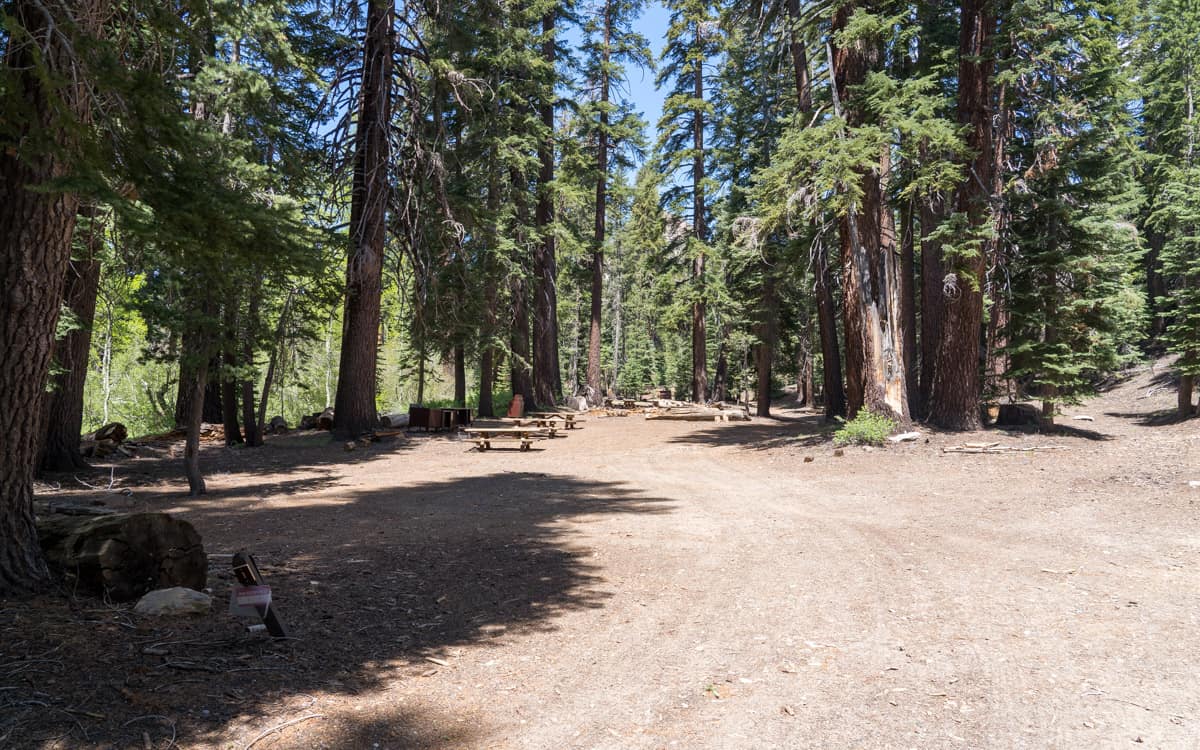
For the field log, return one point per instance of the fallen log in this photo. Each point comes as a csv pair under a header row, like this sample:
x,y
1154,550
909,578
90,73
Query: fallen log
x,y
113,431
325,420
700,414
123,555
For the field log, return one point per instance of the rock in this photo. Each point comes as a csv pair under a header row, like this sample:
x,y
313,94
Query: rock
x,y
349,446
173,602
904,437
278,425
839,453
808,459
309,421
1083,418
578,403
1194,484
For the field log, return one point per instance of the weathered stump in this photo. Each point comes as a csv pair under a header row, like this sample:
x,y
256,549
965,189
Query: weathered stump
x,y
124,555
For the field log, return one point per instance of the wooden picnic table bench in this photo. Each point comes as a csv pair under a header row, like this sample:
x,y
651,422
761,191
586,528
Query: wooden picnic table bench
x,y
569,420
484,436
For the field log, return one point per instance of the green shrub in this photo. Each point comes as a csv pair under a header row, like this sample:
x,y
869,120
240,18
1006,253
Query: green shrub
x,y
868,428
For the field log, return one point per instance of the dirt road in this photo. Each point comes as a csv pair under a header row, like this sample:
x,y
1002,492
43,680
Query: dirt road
x,y
658,585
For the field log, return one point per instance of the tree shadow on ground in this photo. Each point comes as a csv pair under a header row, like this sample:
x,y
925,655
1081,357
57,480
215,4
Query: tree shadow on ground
x,y
797,430
1054,430
1156,418
372,583
157,473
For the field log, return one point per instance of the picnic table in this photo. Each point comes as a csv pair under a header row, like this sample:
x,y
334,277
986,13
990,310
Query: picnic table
x,y
483,436
569,420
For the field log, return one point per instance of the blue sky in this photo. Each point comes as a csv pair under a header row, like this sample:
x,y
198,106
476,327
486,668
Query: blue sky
x,y
652,25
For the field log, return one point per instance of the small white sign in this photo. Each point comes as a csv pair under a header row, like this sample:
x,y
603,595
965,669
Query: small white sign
x,y
249,601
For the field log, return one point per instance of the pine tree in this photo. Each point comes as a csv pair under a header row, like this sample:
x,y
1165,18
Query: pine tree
x,y
1072,196
1170,77
609,44
692,40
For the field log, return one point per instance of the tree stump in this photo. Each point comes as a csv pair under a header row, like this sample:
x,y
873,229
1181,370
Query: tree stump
x,y
124,555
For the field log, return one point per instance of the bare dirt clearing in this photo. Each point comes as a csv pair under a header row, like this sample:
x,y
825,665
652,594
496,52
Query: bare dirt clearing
x,y
653,584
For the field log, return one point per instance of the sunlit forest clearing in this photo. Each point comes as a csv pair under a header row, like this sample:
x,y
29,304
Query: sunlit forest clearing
x,y
617,374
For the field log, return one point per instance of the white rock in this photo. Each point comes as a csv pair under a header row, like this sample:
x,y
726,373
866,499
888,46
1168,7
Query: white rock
x,y
579,403
1084,418
904,437
173,601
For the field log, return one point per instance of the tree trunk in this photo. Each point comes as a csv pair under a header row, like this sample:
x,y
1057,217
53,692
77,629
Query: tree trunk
x,y
268,379
64,405
1184,400
835,395
197,381
229,390
956,390
522,381
254,431
908,306
460,376
764,351
354,404
596,392
41,82
874,372
547,378
700,232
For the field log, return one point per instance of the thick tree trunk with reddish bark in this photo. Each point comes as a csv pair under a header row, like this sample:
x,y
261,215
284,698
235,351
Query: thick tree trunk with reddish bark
x,y
955,394
874,351
547,378
35,246
64,404
354,404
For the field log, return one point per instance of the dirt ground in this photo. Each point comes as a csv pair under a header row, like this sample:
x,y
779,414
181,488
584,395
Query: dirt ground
x,y
643,584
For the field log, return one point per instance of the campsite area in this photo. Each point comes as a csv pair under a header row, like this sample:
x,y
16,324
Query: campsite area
x,y
654,584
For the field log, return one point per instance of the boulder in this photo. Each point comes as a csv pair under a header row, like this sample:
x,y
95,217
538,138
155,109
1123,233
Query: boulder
x,y
173,602
278,425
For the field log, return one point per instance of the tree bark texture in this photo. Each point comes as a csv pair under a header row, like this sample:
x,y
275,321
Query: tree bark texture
x,y
547,377
36,228
870,294
460,376
64,404
354,402
956,390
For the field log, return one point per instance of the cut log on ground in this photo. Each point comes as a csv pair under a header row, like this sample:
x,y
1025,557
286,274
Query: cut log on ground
x,y
113,431
124,555
325,420
701,414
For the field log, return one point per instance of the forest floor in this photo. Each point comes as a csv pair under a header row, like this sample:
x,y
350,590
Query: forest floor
x,y
648,584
